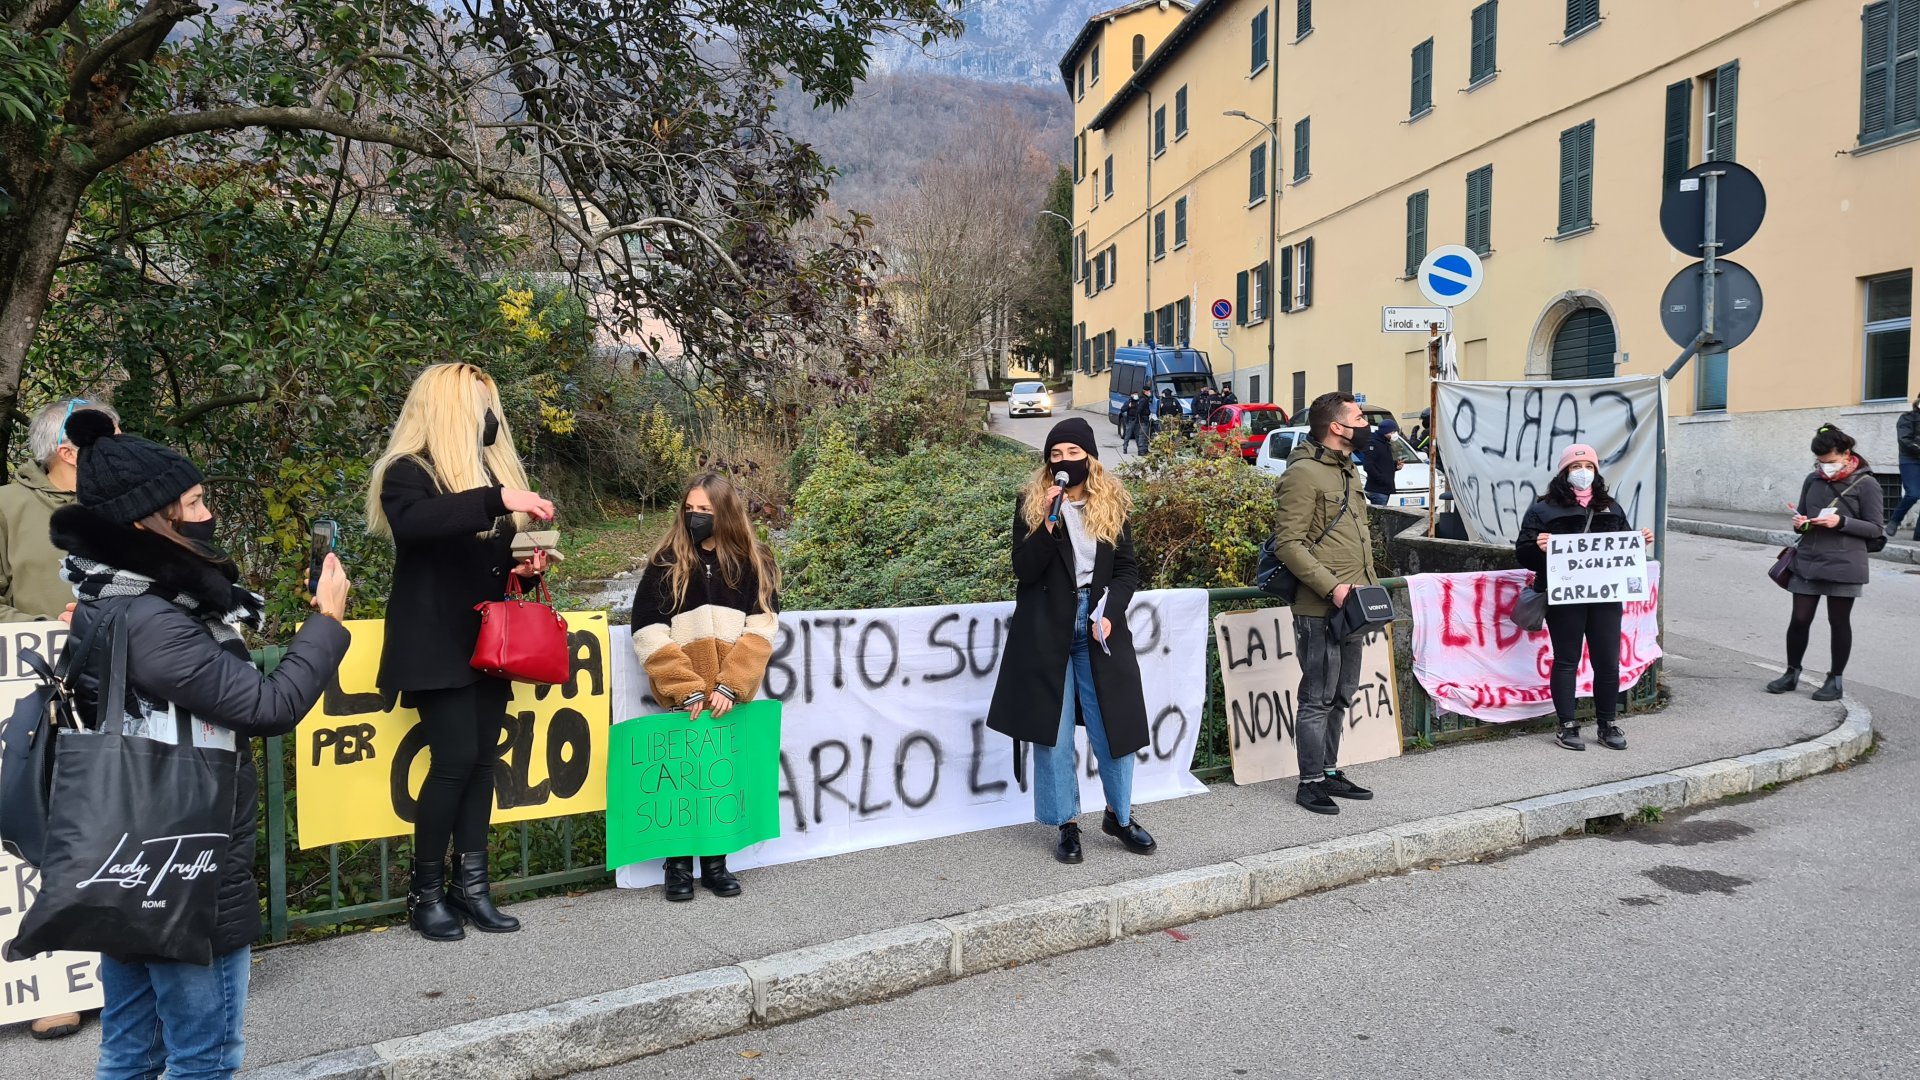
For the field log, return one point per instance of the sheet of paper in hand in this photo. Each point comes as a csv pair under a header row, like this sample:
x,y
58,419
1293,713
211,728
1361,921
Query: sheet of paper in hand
x,y
1596,568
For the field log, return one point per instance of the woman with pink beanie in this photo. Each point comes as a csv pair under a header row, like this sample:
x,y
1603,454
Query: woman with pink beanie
x,y
1577,501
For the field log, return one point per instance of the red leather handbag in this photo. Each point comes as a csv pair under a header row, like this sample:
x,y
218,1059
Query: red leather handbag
x,y
522,639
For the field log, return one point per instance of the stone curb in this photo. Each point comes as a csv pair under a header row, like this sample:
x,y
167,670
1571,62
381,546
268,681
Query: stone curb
x,y
622,1025
1894,552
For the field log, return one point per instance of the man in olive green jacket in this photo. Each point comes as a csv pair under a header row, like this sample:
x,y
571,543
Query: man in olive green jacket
x,y
31,587
1324,538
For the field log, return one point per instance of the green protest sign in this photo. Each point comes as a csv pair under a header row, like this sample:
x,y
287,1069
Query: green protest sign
x,y
680,785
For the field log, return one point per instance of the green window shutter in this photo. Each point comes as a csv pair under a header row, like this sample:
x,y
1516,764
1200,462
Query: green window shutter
x,y
1581,14
1726,103
1257,174
1266,290
1678,140
1302,141
1113,264
1422,78
1306,273
1180,112
1159,234
1416,231
1484,59
1576,178
1109,177
1302,18
1903,68
1259,40
1480,209
1584,204
1876,70
1240,298
1180,221
1146,327
1286,279
1159,130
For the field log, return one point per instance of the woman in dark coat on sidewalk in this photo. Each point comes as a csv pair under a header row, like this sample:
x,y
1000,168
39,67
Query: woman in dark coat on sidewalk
x,y
1577,501
1061,666
140,536
451,492
1842,515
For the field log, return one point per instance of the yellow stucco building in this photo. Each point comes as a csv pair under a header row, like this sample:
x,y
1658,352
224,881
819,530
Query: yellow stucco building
x,y
1542,133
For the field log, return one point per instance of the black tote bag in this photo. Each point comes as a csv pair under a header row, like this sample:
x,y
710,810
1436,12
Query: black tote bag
x,y
137,838
27,737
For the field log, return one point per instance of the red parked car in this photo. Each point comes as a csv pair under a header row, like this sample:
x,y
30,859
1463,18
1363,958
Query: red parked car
x,y
1248,423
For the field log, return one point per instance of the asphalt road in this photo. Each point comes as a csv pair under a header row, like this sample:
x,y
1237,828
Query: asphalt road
x,y
1769,937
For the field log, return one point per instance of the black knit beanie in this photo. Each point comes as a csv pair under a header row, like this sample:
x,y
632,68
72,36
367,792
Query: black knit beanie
x,y
125,478
1071,430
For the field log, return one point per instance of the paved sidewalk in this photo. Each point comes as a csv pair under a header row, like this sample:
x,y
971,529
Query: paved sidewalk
x,y
364,988
1771,528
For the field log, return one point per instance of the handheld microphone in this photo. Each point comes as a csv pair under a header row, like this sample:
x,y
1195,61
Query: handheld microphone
x,y
1059,481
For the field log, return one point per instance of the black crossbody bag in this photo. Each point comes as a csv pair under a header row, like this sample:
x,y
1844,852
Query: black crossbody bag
x,y
1272,576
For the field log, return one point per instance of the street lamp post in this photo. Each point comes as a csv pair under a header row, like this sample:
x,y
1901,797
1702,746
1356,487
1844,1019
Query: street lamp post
x,y
1273,259
1062,217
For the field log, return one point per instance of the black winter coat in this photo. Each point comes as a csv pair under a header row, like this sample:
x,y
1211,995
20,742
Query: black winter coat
x,y
442,568
171,657
1840,554
1381,465
1557,520
1033,667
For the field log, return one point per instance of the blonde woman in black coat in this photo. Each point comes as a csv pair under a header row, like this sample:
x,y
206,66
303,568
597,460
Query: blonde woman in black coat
x,y
1063,666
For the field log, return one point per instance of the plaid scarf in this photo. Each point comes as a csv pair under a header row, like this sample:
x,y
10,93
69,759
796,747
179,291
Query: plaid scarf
x,y
97,581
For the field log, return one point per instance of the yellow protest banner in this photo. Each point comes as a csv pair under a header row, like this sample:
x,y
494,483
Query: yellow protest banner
x,y
361,757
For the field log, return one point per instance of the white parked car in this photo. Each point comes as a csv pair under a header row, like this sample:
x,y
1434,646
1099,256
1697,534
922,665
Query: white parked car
x,y
1410,483
1029,399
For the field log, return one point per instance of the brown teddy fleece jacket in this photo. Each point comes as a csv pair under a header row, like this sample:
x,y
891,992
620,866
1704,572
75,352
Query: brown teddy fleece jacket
x,y
714,640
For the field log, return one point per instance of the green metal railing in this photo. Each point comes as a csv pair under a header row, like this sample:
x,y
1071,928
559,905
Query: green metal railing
x,y
342,879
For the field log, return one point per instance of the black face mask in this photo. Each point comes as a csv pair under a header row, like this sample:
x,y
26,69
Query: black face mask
x,y
1076,472
700,527
489,429
200,532
1359,436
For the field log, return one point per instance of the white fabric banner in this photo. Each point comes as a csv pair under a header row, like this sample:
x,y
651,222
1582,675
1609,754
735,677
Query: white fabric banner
x,y
884,735
1499,442
51,983
1473,661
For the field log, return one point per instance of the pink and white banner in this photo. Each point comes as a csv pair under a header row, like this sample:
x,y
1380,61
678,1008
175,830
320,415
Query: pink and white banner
x,y
1473,661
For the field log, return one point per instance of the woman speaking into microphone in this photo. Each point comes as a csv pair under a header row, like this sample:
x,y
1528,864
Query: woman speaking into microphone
x,y
1069,657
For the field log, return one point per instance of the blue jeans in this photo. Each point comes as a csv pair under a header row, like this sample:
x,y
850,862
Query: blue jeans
x,y
1056,782
183,1019
1909,495
1377,498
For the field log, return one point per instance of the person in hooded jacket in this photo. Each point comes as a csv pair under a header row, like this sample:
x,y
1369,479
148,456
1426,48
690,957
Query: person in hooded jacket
x,y
1906,432
1381,464
140,536
1841,518
1577,501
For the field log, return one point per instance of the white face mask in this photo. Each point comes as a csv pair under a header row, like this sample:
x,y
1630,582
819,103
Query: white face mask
x,y
1581,479
1830,468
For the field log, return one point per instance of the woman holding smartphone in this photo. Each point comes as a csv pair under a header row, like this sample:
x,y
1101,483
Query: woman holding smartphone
x,y
1069,658
450,491
704,619
1841,514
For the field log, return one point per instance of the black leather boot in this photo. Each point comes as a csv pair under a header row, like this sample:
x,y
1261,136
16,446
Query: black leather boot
x,y
1831,690
680,878
716,878
1785,684
1569,735
471,896
1611,736
427,909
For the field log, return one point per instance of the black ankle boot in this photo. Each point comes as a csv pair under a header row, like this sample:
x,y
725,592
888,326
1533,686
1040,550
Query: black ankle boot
x,y
680,878
473,897
1785,684
1831,690
1569,736
427,909
715,876
1610,736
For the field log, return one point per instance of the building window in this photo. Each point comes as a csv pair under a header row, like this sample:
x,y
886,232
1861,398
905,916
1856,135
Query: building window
x,y
1483,63
1110,342
1257,175
1160,234
1260,287
1080,257
1480,210
1093,67
1345,373
1299,396
1100,272
1422,78
1096,189
1099,353
1302,145
1159,131
1721,96
1079,157
1889,69
1576,178
1584,345
1113,264
1109,189
1582,15
1889,336
1139,50
1080,83
1416,232
1710,385
1179,114
1302,19
1303,279
1259,40
1676,145
1180,222
1163,332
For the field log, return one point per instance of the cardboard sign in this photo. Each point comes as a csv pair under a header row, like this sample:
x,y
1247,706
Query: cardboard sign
x,y
1260,671
684,785
47,984
361,757
1596,568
